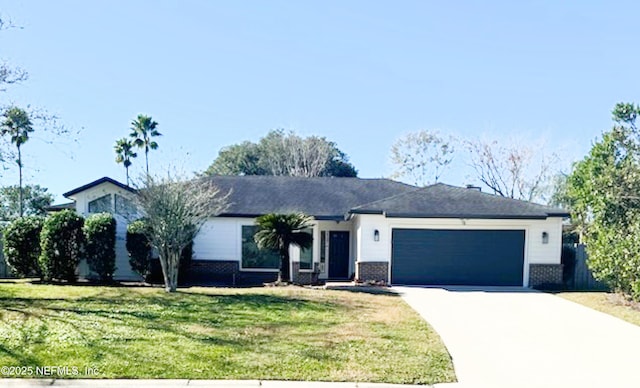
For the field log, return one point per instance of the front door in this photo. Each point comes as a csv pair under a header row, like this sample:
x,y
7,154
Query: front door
x,y
338,255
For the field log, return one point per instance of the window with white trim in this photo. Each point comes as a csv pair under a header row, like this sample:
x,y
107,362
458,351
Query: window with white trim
x,y
306,254
124,206
101,205
254,258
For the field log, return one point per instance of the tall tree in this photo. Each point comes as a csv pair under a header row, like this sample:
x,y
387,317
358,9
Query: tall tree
x,y
282,153
143,130
36,199
124,154
421,157
174,210
238,159
279,232
512,170
17,125
603,191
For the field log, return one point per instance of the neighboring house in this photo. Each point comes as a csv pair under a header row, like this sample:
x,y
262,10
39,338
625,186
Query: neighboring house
x,y
367,229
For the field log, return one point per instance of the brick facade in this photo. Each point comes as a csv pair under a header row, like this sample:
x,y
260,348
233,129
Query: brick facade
x,y
544,275
372,271
213,271
301,276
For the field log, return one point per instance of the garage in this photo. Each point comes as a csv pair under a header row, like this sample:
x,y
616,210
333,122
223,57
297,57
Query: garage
x,y
457,257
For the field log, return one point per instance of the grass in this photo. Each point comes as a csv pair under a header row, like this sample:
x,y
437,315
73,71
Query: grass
x,y
609,303
215,333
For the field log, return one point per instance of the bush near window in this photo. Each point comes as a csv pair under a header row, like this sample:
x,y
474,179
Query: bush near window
x,y
139,247
22,246
140,250
61,243
100,245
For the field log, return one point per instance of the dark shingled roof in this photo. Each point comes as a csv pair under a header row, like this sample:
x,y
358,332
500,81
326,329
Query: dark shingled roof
x,y
96,183
444,201
323,198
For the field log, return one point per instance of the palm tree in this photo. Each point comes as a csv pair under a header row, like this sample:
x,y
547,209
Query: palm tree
x,y
124,153
143,129
17,124
279,232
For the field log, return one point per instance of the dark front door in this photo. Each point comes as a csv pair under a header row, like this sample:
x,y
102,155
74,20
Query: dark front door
x,y
338,255
458,257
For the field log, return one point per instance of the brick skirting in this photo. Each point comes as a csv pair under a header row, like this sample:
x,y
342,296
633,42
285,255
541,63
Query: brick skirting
x,y
213,271
372,271
302,277
544,275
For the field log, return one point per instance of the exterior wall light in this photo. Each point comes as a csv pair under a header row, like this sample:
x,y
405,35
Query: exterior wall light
x,y
376,235
545,238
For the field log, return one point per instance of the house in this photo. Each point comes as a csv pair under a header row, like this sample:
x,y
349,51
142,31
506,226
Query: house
x,y
367,229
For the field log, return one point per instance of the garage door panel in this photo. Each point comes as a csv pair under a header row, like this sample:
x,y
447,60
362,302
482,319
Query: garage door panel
x,y
457,257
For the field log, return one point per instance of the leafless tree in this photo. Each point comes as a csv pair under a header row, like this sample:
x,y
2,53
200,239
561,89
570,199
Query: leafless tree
x,y
175,210
9,74
421,157
292,155
514,170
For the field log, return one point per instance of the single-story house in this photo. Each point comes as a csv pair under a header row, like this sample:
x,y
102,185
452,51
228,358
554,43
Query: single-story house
x,y
366,229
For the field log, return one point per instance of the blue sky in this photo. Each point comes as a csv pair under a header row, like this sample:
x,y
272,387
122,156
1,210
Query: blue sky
x,y
361,73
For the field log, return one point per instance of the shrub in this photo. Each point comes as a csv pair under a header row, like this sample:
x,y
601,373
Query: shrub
x,y
61,244
100,245
614,257
22,245
139,247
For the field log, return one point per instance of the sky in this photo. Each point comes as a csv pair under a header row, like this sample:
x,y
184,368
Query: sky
x,y
361,73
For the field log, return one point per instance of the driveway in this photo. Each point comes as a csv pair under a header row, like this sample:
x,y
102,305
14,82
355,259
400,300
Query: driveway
x,y
517,337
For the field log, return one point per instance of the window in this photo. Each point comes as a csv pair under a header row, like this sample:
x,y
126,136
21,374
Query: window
x,y
100,205
323,250
252,257
124,206
306,255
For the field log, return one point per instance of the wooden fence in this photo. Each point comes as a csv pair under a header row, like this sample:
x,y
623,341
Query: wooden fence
x,y
582,278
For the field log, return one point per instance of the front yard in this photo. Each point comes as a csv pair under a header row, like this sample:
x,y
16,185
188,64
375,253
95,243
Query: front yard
x,y
215,333
608,303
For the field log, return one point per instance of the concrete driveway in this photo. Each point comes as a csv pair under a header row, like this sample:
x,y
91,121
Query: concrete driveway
x,y
515,337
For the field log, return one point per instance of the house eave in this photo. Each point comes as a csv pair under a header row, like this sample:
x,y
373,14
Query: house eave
x,y
467,216
255,215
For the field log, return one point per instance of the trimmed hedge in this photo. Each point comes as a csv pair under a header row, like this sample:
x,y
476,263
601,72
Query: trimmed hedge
x,y
139,248
61,243
22,246
100,245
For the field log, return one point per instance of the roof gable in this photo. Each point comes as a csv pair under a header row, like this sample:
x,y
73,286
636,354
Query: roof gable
x,y
444,201
96,183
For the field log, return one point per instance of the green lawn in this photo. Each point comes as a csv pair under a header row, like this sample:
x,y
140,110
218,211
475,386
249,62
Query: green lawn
x,y
609,303
215,333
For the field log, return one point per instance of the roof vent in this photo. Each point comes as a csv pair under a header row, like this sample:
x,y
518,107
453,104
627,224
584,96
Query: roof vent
x,y
472,187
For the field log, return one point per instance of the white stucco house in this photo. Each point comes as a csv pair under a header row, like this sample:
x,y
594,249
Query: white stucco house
x,y
366,229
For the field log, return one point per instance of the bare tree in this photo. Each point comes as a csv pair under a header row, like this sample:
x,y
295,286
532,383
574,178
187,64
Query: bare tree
x,y
422,157
292,155
515,171
175,210
307,157
9,74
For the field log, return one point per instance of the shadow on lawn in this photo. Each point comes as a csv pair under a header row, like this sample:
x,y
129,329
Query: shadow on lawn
x,y
373,290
